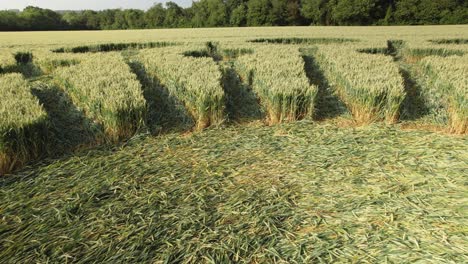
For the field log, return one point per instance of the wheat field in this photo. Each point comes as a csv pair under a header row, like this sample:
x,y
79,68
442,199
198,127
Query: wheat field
x,y
235,145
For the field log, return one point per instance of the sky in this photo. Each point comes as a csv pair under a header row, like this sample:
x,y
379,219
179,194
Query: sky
x,y
85,4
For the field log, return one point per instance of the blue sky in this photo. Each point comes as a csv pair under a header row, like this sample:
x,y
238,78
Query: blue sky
x,y
85,4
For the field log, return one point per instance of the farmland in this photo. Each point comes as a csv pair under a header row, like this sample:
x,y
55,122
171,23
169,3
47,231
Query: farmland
x,y
251,145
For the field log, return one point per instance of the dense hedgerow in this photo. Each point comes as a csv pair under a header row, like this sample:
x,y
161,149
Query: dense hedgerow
x,y
277,76
23,123
369,84
104,87
195,81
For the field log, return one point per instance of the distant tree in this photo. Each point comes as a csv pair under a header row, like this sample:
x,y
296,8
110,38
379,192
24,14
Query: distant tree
x,y
354,12
208,13
317,12
199,14
41,19
431,12
424,12
233,4
406,11
258,13
216,13
154,17
238,16
92,19
458,16
293,13
277,13
388,16
174,15
134,18
107,18
10,21
74,20
120,22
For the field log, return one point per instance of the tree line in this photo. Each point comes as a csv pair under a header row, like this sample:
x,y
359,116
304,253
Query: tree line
x,y
223,13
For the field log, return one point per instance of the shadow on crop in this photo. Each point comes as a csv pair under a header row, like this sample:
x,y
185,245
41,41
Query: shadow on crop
x,y
165,112
241,102
28,70
327,104
413,107
69,128
24,65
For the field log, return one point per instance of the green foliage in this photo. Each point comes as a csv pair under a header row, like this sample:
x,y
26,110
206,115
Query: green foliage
x,y
218,13
318,12
388,16
431,12
41,19
9,21
258,13
238,16
175,16
155,16
209,13
353,12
